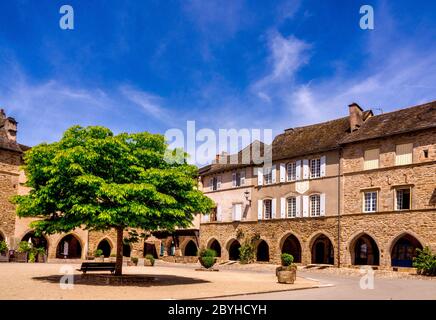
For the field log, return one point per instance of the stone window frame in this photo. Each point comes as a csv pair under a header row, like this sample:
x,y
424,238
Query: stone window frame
x,y
363,191
402,187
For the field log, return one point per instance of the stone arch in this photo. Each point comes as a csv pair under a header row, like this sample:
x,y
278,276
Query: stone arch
x,y
126,249
2,235
190,249
215,245
37,241
364,250
403,249
74,248
289,243
232,247
322,249
106,246
262,251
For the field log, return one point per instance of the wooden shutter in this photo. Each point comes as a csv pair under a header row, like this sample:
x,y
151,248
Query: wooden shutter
x,y
282,172
322,204
323,168
218,213
273,174
211,184
234,179
305,169
242,177
282,208
259,176
404,154
298,170
298,206
305,206
259,209
218,184
273,208
371,159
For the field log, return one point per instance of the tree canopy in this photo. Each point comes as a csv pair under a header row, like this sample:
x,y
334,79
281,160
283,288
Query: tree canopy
x,y
94,179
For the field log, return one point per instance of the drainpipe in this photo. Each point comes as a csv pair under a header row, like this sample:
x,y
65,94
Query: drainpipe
x,y
339,207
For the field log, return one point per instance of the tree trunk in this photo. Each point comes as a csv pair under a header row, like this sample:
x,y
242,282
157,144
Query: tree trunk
x,y
119,261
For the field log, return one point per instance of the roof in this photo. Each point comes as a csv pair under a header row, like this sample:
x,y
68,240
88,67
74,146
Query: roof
x,y
401,121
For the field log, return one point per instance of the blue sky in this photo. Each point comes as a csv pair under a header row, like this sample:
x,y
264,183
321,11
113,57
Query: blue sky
x,y
153,65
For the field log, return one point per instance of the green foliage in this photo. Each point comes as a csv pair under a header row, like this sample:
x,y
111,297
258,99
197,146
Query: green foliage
x,y
40,250
425,262
113,255
24,246
32,256
98,253
150,258
134,260
247,251
207,253
239,234
3,246
287,259
207,261
96,180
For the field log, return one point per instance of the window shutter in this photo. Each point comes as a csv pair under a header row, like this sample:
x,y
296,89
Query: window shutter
x,y
371,159
298,170
218,184
305,169
273,174
282,172
242,177
305,206
259,209
282,208
211,184
322,204
323,158
206,218
234,179
259,176
297,206
218,213
404,154
273,208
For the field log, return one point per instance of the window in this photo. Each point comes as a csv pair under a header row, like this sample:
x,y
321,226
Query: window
x,y
370,201
315,205
214,214
238,178
292,171
402,199
215,183
292,207
315,168
267,176
371,159
403,154
267,204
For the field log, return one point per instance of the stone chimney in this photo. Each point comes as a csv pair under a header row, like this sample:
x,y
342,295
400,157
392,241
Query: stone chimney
x,y
221,157
8,125
356,116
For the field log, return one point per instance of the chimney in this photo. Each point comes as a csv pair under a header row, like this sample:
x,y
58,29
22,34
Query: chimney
x,y
356,116
9,125
221,157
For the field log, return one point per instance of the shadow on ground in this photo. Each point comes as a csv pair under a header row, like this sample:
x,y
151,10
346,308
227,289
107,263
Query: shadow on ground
x,y
124,280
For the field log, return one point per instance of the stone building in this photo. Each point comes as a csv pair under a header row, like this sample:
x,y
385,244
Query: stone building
x,y
80,243
352,191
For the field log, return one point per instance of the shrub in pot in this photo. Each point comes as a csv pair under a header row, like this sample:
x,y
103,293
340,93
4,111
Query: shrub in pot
x,y
4,251
113,257
287,272
133,261
207,258
41,255
149,260
425,262
98,254
23,251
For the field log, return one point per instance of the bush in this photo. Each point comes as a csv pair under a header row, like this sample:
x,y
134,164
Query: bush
x,y
40,250
425,262
113,255
247,252
134,260
207,261
150,258
98,253
24,246
287,259
32,256
3,246
207,253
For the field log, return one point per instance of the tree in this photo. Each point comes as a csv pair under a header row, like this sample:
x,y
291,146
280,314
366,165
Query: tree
x,y
99,181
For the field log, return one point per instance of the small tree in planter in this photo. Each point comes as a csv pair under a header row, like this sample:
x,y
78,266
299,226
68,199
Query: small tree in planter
x,y
149,260
41,254
98,254
133,261
4,252
22,253
113,257
425,262
287,272
207,258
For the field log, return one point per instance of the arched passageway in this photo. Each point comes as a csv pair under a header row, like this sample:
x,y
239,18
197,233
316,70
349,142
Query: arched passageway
x,y
149,248
105,246
364,251
69,248
322,250
126,250
37,241
404,250
262,253
191,249
215,245
234,250
292,246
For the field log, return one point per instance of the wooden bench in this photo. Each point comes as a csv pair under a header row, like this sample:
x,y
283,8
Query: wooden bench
x,y
97,266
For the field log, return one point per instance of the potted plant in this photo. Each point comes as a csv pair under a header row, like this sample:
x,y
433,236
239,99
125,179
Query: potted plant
x,y
41,255
133,261
98,254
113,257
22,253
32,255
207,258
149,260
4,251
287,272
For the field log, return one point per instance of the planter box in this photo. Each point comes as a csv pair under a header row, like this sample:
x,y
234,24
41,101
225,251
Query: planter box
x,y
4,256
286,274
99,259
21,256
148,263
131,263
41,258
